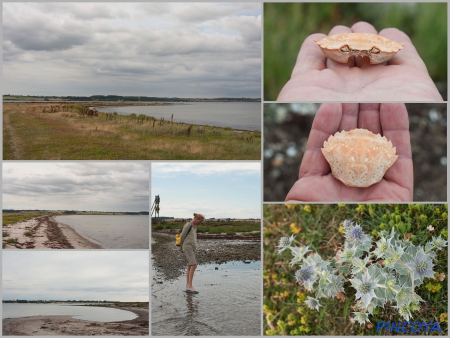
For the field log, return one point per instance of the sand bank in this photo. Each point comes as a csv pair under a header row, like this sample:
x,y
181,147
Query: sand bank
x,y
68,326
46,233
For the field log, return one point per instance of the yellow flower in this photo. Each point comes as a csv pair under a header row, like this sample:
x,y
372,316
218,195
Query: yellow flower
x,y
304,320
438,211
443,318
341,205
290,206
307,208
295,228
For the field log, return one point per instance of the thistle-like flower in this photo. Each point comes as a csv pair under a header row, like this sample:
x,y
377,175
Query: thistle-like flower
x,y
335,285
422,266
439,242
305,274
347,223
285,243
357,233
361,317
313,303
382,247
365,288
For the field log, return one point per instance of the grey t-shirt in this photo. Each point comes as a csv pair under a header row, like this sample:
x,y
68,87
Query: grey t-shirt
x,y
188,240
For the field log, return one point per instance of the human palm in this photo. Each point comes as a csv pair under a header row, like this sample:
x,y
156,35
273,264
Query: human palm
x,y
316,182
317,78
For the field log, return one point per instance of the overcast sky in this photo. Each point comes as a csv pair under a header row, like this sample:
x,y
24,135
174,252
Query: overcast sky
x,y
93,275
150,49
217,190
102,186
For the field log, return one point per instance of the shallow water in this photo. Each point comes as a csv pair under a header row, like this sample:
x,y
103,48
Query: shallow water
x,y
229,302
111,231
96,314
237,115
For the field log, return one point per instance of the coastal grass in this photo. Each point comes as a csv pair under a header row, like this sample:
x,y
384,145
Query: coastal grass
x,y
18,217
28,233
5,234
216,228
67,135
319,227
11,240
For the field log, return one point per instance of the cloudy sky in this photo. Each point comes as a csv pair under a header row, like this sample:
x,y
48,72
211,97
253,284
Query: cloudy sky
x,y
150,49
214,189
101,186
93,275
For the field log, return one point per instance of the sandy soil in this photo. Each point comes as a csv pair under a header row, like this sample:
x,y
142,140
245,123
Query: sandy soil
x,y
214,248
67,326
46,233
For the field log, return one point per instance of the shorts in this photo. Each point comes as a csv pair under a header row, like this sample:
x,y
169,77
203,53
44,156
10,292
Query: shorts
x,y
191,256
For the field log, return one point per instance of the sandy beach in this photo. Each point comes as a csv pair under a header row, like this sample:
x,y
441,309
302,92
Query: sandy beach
x,y
68,326
46,233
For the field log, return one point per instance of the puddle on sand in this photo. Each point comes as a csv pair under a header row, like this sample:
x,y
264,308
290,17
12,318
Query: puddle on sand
x,y
229,302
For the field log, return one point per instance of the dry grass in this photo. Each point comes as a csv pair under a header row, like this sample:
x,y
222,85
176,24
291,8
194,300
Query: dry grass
x,y
66,135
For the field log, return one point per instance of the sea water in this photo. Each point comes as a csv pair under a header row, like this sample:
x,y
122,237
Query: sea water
x,y
228,303
92,313
237,115
111,231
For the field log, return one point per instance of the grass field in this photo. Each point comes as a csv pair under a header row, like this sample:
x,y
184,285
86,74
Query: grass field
x,y
18,217
216,228
319,227
31,134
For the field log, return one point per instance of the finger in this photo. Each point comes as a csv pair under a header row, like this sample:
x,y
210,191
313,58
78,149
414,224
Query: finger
x,y
310,56
369,117
408,54
395,126
367,28
326,123
334,64
349,118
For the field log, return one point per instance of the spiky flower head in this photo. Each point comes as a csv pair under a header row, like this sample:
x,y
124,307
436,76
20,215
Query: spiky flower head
x,y
357,233
305,274
347,223
365,288
361,317
285,243
298,253
439,242
422,266
313,303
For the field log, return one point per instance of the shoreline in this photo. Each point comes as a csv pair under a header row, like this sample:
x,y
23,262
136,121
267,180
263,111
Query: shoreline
x,y
170,263
46,233
67,326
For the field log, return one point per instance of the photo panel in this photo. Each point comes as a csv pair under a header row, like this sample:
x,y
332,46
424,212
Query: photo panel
x,y
76,205
355,269
307,157
206,249
367,51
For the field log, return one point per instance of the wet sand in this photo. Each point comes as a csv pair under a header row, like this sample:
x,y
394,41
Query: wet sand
x,y
171,263
46,233
68,326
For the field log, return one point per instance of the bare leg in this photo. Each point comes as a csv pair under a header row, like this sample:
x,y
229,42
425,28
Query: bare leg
x,y
187,276
190,277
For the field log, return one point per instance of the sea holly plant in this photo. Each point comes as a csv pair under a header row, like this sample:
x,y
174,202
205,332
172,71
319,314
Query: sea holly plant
x,y
383,273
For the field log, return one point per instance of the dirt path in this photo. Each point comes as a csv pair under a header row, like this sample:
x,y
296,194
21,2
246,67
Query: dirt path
x,y
13,143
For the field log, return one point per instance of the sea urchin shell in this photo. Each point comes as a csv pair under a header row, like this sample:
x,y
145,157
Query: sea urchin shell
x,y
359,158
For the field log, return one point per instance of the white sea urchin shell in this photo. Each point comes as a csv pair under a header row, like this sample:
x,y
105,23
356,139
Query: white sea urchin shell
x,y
359,158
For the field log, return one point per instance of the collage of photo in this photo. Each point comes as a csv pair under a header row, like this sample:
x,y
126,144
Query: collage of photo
x,y
224,169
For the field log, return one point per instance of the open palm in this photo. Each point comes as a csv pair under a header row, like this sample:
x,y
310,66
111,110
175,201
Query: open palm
x,y
317,78
316,183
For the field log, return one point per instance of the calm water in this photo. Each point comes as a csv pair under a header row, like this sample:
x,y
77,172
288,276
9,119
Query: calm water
x,y
96,314
111,231
238,115
229,302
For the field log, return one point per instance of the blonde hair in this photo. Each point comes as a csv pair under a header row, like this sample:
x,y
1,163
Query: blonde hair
x,y
199,216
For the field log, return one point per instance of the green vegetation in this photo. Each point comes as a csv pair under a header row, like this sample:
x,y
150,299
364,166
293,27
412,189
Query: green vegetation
x,y
5,234
286,25
31,133
320,227
216,228
14,218
28,233
11,240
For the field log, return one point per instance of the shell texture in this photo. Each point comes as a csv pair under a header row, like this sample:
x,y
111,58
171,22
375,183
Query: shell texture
x,y
340,47
359,158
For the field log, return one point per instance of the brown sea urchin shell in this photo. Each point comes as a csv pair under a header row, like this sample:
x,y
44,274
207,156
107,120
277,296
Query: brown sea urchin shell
x,y
358,158
340,47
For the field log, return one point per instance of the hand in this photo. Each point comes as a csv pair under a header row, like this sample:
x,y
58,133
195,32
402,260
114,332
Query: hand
x,y
316,78
316,182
